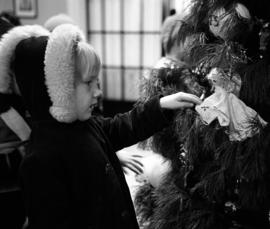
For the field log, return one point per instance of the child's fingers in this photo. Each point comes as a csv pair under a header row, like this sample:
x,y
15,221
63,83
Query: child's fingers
x,y
137,162
190,98
186,104
137,155
135,168
125,170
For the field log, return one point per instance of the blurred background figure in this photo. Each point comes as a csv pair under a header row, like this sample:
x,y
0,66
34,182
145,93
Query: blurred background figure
x,y
10,17
176,46
14,132
56,20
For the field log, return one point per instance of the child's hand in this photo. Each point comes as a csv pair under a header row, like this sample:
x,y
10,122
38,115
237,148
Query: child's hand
x,y
130,161
179,100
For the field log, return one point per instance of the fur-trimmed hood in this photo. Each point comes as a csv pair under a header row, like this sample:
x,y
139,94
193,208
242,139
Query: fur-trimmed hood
x,y
60,69
43,64
8,44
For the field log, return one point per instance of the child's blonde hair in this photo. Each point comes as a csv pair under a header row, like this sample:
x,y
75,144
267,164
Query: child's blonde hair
x,y
87,61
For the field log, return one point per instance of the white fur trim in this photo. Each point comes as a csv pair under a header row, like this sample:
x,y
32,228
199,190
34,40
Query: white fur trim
x,y
8,44
60,69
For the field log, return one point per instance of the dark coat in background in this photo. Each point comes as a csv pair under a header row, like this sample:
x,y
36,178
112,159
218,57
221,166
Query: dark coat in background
x,y
71,175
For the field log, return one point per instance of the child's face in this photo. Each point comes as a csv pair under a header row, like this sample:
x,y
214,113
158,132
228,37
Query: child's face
x,y
87,93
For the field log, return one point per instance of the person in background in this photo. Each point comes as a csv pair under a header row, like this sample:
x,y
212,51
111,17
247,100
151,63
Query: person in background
x,y
14,132
177,46
10,17
65,185
52,22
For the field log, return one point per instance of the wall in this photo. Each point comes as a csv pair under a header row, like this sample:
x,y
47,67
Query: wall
x,y
126,34
6,5
76,9
46,9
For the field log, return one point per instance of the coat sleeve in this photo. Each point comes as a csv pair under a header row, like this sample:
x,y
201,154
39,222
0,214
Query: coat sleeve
x,y
136,125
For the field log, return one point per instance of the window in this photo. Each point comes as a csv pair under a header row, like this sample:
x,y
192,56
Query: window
x,y
126,34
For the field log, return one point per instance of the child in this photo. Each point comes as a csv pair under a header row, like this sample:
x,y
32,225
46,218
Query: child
x,y
65,184
128,162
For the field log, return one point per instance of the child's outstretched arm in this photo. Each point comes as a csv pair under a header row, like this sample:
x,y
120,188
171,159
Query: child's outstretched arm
x,y
179,100
145,119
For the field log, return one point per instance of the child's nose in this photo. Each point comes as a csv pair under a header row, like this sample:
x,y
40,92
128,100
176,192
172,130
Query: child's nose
x,y
98,93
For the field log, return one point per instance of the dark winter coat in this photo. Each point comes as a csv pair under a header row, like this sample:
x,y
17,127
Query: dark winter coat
x,y
71,176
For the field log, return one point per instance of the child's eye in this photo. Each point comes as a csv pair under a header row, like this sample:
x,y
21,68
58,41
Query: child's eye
x,y
89,82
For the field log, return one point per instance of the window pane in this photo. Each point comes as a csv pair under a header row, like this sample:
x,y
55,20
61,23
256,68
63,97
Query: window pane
x,y
95,15
132,50
152,15
96,41
151,50
113,50
132,15
132,78
112,15
114,87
